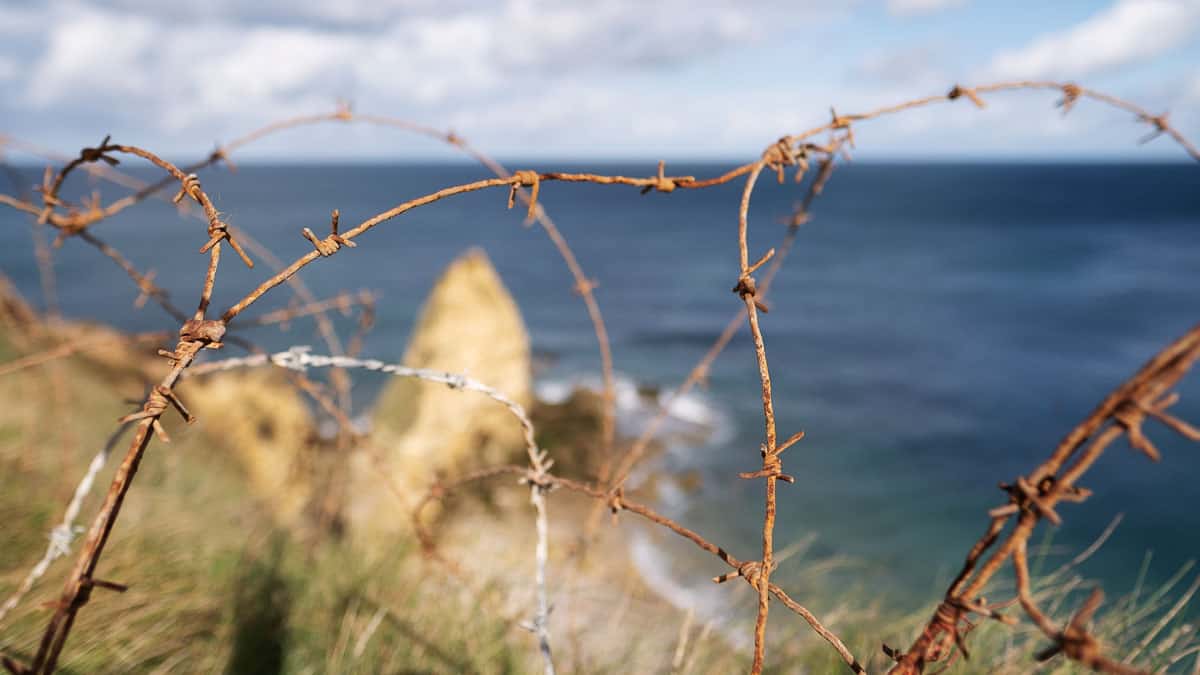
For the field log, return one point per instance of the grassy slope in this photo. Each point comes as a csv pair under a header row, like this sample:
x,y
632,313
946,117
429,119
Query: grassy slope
x,y
215,587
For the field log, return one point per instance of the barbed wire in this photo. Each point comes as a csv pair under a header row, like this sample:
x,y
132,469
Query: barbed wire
x,y
1031,498
64,533
300,359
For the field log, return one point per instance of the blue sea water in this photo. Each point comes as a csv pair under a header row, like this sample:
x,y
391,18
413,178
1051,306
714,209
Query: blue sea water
x,y
937,329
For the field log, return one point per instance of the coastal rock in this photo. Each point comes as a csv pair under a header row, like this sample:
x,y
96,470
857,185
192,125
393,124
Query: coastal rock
x,y
570,429
470,324
267,426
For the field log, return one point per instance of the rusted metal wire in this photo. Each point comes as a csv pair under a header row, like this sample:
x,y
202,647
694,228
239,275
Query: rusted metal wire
x,y
1031,498
64,533
1034,497
300,359
583,285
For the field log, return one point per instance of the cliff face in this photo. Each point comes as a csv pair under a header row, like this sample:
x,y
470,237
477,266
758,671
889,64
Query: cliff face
x,y
469,324
268,428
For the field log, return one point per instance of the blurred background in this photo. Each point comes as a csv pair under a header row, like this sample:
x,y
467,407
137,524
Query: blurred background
x,y
619,79
967,287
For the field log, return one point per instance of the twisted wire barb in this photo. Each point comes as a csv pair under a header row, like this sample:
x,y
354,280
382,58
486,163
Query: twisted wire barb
x,y
76,224
64,533
81,581
1033,498
144,281
748,570
300,359
698,373
584,285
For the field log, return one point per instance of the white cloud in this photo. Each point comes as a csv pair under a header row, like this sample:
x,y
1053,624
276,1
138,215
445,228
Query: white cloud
x,y
517,77
179,72
1126,33
95,53
907,7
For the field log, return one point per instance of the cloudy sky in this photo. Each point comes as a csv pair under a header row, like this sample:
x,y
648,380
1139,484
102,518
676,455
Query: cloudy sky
x,y
591,79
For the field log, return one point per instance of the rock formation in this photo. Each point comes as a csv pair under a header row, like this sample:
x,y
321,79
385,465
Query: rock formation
x,y
268,427
470,324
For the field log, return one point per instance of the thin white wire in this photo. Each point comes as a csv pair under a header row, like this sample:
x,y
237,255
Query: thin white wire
x,y
64,533
300,359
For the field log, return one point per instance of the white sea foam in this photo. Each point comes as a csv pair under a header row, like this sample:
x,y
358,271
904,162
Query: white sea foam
x,y
692,420
709,601
693,428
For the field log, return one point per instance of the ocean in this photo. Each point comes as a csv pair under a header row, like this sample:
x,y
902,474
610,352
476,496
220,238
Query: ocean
x,y
937,329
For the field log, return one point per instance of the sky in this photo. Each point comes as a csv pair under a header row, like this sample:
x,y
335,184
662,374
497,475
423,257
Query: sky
x,y
596,79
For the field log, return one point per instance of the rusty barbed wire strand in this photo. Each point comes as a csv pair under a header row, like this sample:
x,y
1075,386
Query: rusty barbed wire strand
x,y
785,153
145,282
584,285
64,533
799,216
75,224
771,464
1034,497
199,333
1070,91
746,570
1071,94
190,186
195,335
520,178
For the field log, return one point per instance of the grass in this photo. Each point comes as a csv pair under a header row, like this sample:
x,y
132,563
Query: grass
x,y
216,586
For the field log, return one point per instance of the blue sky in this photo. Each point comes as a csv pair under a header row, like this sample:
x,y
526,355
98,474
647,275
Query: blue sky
x,y
592,80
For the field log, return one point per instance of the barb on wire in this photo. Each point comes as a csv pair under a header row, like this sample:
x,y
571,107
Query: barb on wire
x,y
698,373
65,532
1032,498
748,570
75,224
300,359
